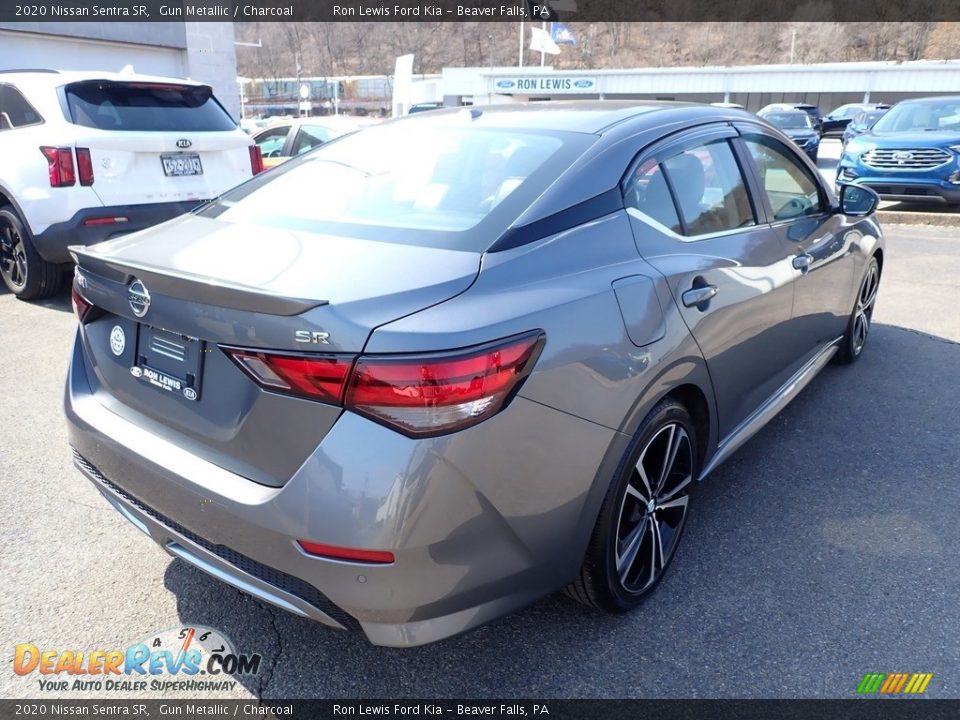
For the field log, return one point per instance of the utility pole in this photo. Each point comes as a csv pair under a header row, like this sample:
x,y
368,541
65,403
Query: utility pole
x,y
793,44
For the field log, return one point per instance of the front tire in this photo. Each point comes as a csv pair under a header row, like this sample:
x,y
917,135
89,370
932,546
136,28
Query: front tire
x,y
24,272
861,319
643,515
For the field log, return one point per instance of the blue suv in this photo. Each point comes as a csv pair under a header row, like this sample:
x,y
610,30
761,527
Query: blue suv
x,y
912,153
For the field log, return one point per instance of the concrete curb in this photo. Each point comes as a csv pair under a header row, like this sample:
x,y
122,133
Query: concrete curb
x,y
893,217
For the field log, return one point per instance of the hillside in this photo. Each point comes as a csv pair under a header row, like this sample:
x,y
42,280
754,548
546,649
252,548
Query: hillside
x,y
370,48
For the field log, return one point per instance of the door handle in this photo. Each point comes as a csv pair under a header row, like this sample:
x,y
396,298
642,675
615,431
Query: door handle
x,y
699,295
802,262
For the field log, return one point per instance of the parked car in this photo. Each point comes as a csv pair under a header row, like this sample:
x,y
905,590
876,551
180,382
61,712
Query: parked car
x,y
285,139
837,121
909,154
862,121
812,110
253,125
90,156
430,372
424,107
798,126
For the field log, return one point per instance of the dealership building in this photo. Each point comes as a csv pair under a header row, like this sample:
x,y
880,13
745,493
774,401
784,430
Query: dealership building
x,y
202,51
826,85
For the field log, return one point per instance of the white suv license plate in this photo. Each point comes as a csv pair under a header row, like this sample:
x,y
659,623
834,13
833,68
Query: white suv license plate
x,y
180,165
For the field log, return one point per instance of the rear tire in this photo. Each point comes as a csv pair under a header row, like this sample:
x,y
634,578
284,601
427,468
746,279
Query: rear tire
x,y
861,319
24,272
643,515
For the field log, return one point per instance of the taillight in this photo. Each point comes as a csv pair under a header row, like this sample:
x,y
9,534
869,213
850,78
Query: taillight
x,y
256,159
320,377
436,394
419,395
59,166
81,306
84,166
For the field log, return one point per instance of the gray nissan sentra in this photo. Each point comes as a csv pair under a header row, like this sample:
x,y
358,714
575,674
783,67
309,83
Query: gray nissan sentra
x,y
430,372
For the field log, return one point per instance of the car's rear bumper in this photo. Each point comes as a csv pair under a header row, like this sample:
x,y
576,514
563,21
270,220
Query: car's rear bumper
x,y
478,526
89,226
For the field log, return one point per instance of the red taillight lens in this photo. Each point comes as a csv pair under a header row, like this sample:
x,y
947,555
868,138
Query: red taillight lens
x,y
418,395
84,166
256,160
381,557
321,377
80,305
435,394
59,166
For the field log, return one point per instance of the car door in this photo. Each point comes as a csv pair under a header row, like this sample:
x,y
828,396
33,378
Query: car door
x,y
309,137
272,143
798,206
695,221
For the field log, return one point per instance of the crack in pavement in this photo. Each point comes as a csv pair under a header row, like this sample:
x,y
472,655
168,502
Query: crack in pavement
x,y
266,677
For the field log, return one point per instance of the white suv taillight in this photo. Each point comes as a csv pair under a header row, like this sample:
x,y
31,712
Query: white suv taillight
x,y
84,166
419,395
59,166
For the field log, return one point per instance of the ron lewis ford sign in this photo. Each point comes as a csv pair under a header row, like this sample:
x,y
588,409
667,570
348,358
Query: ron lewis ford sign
x,y
545,84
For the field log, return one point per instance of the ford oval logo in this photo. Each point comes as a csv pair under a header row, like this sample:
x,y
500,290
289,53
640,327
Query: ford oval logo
x,y
139,298
583,83
183,143
505,83
902,156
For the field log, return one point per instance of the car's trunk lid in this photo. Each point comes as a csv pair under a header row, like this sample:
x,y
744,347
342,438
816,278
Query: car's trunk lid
x,y
215,285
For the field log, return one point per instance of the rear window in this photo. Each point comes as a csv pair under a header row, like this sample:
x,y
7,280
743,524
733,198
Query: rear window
x,y
413,182
146,107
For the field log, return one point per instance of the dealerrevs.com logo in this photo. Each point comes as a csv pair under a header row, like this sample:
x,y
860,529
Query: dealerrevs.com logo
x,y
193,658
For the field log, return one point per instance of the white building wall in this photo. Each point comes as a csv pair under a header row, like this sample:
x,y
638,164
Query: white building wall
x,y
30,50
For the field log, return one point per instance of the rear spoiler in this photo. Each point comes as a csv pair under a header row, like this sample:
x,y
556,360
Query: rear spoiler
x,y
186,286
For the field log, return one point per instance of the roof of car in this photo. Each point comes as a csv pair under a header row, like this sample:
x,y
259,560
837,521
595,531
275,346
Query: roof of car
x,y
584,116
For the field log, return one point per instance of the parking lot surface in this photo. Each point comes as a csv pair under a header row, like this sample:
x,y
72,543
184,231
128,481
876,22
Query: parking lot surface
x,y
824,549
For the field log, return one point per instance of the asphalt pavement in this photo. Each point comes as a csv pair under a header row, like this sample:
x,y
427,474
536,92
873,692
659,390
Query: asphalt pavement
x,y
824,549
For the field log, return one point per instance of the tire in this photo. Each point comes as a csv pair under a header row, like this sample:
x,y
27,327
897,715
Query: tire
x,y
622,564
861,318
24,272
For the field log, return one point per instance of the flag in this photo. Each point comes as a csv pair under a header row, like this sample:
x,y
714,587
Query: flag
x,y
562,35
540,41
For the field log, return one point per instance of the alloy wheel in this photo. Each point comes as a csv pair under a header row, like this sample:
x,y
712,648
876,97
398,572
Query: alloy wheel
x,y
13,255
654,508
864,311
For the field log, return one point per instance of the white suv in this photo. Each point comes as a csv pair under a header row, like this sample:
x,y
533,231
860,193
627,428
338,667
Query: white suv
x,y
90,156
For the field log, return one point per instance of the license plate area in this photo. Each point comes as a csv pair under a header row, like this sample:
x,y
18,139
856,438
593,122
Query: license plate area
x,y
181,164
168,361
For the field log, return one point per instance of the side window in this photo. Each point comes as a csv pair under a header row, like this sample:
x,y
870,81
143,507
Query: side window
x,y
271,141
709,188
15,111
648,193
789,186
309,137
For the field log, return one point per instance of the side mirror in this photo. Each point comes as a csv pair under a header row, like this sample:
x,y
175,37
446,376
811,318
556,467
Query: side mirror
x,y
858,201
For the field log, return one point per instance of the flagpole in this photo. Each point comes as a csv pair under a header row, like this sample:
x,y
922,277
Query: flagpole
x,y
543,27
520,56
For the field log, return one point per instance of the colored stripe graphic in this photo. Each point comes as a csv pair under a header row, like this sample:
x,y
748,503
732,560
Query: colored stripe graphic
x,y
894,683
870,683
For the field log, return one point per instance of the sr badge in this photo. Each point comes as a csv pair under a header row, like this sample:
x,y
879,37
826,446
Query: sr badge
x,y
118,341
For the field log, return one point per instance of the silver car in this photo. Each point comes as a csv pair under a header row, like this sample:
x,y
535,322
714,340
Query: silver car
x,y
424,375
